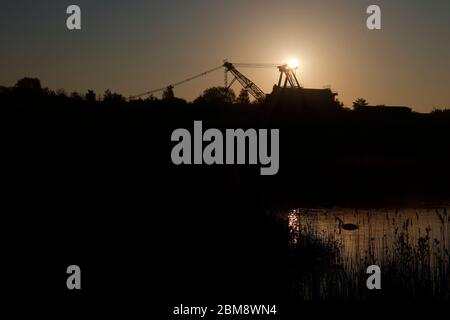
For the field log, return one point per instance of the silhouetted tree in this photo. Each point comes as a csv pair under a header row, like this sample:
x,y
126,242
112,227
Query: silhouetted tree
x,y
151,98
90,96
28,88
360,102
217,95
243,97
32,84
48,92
76,96
440,111
339,103
61,93
113,98
168,93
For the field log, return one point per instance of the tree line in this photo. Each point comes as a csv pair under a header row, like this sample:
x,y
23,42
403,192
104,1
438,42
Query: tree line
x,y
32,88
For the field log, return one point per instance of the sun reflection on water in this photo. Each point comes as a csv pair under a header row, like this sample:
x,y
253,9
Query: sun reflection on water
x,y
380,232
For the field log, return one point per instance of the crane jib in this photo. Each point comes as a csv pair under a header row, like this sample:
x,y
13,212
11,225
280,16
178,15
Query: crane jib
x,y
246,83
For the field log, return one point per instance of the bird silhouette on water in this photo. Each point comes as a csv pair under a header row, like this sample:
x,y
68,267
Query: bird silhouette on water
x,y
345,226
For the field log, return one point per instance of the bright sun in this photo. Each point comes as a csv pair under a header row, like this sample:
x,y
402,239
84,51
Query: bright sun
x,y
293,63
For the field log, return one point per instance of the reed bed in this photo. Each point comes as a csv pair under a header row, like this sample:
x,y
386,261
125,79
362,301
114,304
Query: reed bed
x,y
411,247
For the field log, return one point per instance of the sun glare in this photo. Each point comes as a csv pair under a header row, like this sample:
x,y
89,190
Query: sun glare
x,y
293,63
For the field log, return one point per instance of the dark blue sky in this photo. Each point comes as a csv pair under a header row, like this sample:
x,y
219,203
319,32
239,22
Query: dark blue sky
x,y
136,45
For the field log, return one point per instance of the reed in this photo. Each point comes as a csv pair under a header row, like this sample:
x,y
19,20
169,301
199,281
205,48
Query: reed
x,y
414,261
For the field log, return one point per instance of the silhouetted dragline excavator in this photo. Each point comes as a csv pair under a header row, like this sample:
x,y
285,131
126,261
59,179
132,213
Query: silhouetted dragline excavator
x,y
289,77
286,72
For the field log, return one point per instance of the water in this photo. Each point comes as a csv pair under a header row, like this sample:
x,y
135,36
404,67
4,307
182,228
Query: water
x,y
410,245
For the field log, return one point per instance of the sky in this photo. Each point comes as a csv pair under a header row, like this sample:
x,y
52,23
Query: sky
x,y
134,46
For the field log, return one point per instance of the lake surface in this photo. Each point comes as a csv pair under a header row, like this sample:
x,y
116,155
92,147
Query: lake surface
x,y
410,245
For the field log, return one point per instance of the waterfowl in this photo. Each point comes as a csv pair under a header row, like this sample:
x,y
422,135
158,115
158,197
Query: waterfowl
x,y
346,226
